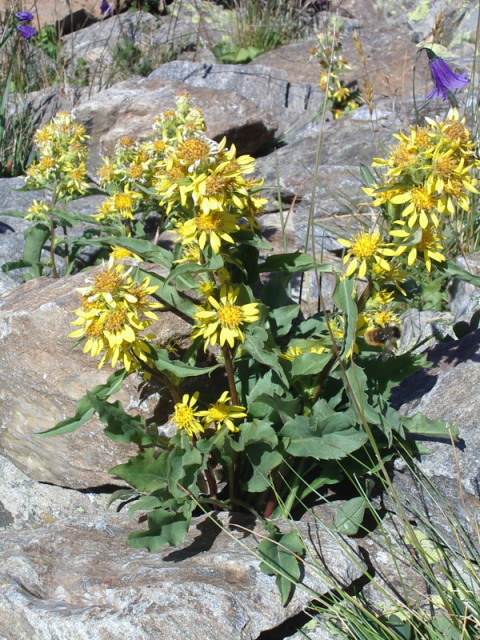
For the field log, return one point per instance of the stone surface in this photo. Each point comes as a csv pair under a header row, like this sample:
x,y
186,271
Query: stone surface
x,y
130,108
43,377
28,503
446,488
79,580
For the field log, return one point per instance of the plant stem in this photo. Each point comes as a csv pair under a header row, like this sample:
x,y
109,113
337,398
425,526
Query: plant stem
x,y
230,373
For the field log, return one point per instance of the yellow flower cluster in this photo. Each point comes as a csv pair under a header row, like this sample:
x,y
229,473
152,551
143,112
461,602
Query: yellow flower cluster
x,y
204,189
220,413
62,158
115,310
429,175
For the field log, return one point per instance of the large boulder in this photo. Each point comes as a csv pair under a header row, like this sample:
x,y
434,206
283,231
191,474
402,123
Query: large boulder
x,y
43,377
79,580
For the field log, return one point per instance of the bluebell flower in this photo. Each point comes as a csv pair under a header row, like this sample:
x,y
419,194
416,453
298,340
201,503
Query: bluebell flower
x,y
26,31
445,80
24,16
105,8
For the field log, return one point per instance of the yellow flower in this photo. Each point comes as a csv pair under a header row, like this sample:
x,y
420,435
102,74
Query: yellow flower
x,y
223,321
364,251
429,243
421,206
222,413
214,227
185,415
38,211
115,310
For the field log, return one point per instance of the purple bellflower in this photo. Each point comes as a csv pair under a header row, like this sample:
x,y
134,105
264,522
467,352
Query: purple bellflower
x,y
444,78
26,31
105,8
24,16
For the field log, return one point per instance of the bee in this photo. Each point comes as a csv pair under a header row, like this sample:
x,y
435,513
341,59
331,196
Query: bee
x,y
385,337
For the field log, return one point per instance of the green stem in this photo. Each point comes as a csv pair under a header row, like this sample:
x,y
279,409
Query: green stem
x,y
230,373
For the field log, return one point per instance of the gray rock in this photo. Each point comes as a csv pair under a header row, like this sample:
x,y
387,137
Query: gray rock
x,y
28,503
267,87
44,377
130,107
445,485
81,581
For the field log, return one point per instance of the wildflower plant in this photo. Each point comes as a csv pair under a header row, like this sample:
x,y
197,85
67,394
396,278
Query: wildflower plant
x,y
262,397
341,99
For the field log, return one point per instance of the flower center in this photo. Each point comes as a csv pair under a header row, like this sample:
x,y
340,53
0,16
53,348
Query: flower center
x,y
230,316
456,131
107,281
184,416
95,328
217,413
123,201
366,245
209,222
444,166
421,199
192,150
215,185
115,320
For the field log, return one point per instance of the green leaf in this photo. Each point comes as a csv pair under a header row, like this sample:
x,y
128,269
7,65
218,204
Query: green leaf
x,y
350,516
84,409
147,471
121,426
332,438
164,527
262,460
144,248
258,343
419,424
296,262
183,466
258,431
307,364
177,367
368,177
449,268
281,556
35,239
168,294
284,318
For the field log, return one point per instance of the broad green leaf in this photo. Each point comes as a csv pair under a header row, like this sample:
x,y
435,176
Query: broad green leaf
x,y
121,426
307,364
258,431
122,495
84,409
183,466
332,438
295,262
164,527
147,471
284,318
359,399
350,516
273,407
259,345
419,424
282,556
262,460
177,367
35,239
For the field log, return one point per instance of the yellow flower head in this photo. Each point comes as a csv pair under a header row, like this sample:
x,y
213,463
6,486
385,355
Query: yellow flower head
x,y
364,251
186,414
223,413
223,319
